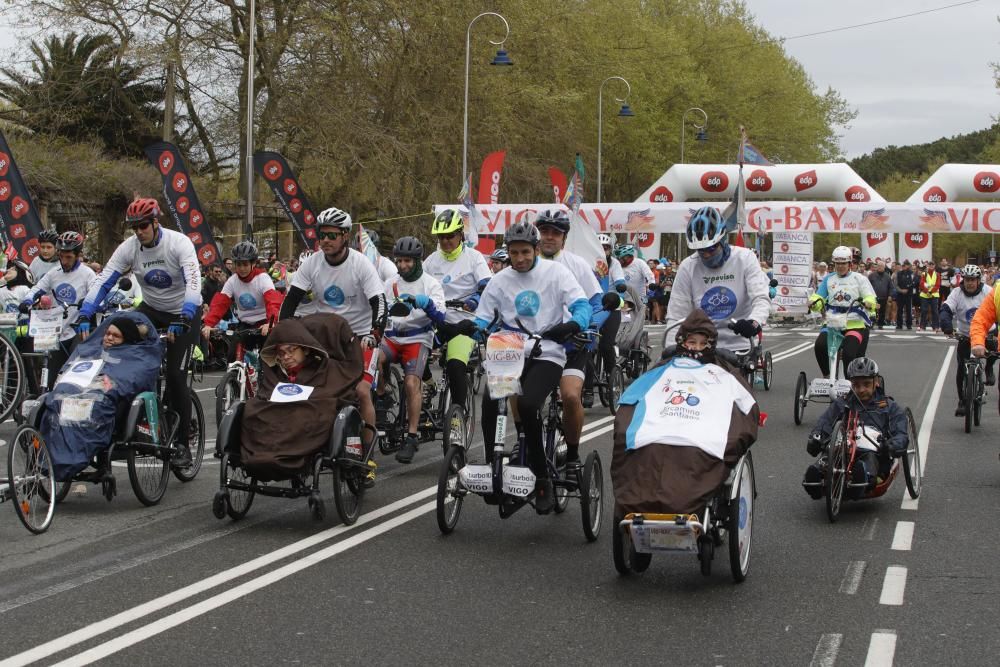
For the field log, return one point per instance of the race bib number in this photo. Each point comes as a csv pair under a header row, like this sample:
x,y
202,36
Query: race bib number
x,y
504,363
46,327
81,373
287,392
477,478
75,410
518,481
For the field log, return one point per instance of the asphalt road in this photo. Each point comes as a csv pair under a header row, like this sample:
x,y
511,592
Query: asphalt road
x,y
892,582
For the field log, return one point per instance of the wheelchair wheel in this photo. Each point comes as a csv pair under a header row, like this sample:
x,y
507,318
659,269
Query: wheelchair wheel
x,y
455,429
30,485
911,462
347,494
739,523
592,496
226,393
237,501
969,399
801,397
768,371
13,377
835,479
196,441
449,494
616,384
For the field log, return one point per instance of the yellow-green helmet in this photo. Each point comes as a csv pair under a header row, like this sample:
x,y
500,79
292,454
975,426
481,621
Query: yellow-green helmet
x,y
447,221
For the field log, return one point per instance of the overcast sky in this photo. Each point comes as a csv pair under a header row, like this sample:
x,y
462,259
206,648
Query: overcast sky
x,y
912,80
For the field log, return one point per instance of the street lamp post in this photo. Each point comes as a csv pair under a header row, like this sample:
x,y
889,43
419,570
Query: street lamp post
x,y
501,59
625,112
702,134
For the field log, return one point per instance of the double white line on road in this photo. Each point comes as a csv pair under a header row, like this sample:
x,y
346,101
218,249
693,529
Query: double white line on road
x,y
187,613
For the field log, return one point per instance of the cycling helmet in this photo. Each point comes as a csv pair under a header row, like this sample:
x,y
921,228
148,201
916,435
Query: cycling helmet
x,y
71,241
556,219
408,246
705,228
626,249
971,271
501,255
48,236
521,232
841,254
334,217
448,221
244,251
605,239
862,367
142,209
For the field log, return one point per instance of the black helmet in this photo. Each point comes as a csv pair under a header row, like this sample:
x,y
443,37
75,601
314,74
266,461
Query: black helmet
x,y
862,367
521,232
48,236
72,241
244,251
557,219
408,246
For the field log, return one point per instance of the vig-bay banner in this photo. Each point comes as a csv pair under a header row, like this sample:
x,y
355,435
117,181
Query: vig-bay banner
x,y
776,216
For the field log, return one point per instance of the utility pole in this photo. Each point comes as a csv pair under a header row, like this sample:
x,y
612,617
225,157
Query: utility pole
x,y
168,104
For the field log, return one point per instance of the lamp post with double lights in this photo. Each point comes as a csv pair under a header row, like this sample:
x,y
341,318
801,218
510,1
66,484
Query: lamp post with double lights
x,y
624,112
501,59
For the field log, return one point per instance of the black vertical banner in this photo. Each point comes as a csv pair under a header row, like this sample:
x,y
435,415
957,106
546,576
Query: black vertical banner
x,y
274,169
18,215
182,202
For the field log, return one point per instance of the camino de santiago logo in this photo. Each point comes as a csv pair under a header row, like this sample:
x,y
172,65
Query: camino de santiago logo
x,y
247,302
158,278
719,303
65,293
527,303
681,401
334,296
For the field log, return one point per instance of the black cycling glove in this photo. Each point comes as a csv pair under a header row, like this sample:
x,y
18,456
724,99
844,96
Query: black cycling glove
x,y
746,328
562,332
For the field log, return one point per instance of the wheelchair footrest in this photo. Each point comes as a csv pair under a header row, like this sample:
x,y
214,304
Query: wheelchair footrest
x,y
651,533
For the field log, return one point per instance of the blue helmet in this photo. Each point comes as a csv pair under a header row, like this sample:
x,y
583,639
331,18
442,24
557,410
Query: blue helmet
x,y
626,249
705,228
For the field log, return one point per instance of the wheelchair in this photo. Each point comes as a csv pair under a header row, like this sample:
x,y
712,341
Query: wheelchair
x,y
343,459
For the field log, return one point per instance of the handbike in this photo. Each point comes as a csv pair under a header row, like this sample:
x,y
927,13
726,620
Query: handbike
x,y
755,362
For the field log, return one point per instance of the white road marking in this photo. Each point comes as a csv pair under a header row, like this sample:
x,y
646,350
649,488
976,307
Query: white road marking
x,y
852,577
903,537
868,530
597,422
826,651
924,434
893,586
792,352
881,649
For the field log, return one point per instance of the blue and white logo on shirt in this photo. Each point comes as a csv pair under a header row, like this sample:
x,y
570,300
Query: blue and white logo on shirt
x,y
969,314
446,280
158,278
290,389
334,296
527,303
65,293
247,302
719,303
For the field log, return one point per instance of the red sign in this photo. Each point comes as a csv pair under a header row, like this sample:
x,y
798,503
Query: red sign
x,y
291,187
195,238
196,218
784,268
19,208
207,254
916,240
644,239
310,232
183,204
29,250
935,194
661,195
165,162
784,247
179,182
806,180
759,181
874,238
984,181
4,163
295,205
857,193
5,190
714,181
18,231
308,217
272,170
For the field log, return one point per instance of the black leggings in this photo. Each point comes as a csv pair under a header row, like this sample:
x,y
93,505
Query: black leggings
x,y
855,345
538,380
178,359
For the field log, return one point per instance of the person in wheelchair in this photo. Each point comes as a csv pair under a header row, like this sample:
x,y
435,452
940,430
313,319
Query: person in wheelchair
x,y
883,422
681,426
311,367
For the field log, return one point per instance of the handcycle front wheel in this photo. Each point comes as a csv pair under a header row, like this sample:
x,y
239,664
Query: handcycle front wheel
x,y
449,496
31,486
801,397
347,493
616,384
592,496
196,437
835,479
911,461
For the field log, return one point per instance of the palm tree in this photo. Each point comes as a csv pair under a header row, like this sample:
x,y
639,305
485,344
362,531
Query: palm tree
x,y
79,88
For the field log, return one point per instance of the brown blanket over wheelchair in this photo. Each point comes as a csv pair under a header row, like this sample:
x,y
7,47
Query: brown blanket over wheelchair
x,y
663,478
278,440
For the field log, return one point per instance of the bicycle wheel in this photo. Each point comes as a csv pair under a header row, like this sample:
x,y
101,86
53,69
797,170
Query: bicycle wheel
x,y
31,487
196,440
554,439
395,413
768,371
449,492
835,479
911,462
226,393
977,404
801,397
455,431
739,523
347,494
969,397
470,413
616,382
592,496
238,502
13,377
148,465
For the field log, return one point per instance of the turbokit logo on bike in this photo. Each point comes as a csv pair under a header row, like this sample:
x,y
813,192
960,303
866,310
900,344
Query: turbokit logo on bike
x,y
718,279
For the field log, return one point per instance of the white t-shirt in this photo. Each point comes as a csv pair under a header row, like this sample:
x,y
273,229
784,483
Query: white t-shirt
x,y
539,298
344,289
417,319
459,279
964,307
583,273
737,290
248,297
39,267
386,268
308,305
637,276
66,288
685,403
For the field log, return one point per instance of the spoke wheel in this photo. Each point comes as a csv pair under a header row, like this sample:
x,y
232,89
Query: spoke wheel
x,y
147,472
32,489
768,371
911,462
470,413
554,440
238,502
616,382
196,440
455,429
801,397
13,377
969,399
977,404
449,492
226,393
347,494
739,523
835,479
592,496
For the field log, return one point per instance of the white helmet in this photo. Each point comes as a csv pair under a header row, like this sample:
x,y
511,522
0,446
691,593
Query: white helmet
x,y
605,239
972,271
842,254
334,217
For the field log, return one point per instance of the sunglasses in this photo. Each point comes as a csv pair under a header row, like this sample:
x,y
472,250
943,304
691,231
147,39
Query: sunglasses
x,y
710,250
144,225
333,236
